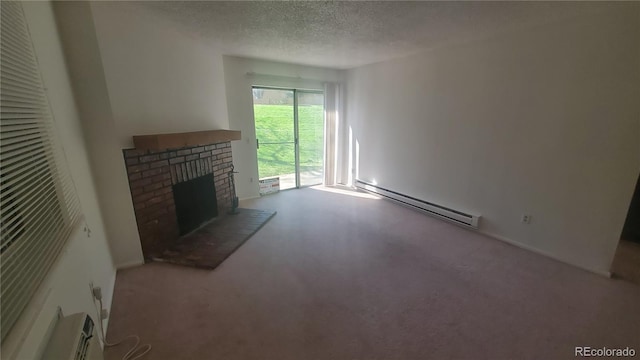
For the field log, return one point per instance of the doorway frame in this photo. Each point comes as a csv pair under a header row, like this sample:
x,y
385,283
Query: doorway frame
x,y
296,129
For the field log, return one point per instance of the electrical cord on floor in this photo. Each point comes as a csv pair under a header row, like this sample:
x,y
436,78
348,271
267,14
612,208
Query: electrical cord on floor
x,y
137,350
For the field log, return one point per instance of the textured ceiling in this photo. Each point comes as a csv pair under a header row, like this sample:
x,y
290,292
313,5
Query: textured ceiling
x,y
348,34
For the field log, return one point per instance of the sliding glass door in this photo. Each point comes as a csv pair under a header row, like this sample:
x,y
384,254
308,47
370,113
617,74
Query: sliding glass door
x,y
290,135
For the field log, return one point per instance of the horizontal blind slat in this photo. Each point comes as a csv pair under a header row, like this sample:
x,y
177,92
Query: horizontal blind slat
x,y
11,7
14,80
21,191
11,84
30,215
19,148
24,104
22,160
25,173
11,51
14,95
39,192
13,28
25,68
10,111
5,127
11,313
17,91
39,241
9,100
15,182
12,12
18,118
11,133
11,45
18,237
47,228
15,74
47,212
20,98
18,139
11,38
23,120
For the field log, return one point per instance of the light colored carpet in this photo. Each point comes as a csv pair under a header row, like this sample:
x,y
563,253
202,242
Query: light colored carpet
x,y
626,263
335,276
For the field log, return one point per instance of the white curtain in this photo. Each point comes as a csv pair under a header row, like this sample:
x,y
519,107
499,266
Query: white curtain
x,y
331,120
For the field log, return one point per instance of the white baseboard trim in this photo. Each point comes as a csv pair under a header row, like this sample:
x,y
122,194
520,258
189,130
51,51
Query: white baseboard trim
x,y
342,186
544,253
129,264
249,198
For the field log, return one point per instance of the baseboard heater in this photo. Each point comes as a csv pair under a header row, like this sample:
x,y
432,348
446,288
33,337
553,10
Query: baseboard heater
x,y
442,212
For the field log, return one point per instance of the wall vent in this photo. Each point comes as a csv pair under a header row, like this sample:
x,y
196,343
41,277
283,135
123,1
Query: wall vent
x,y
442,212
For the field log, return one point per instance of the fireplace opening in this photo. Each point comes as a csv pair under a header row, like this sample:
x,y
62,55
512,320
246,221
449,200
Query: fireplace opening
x,y
195,202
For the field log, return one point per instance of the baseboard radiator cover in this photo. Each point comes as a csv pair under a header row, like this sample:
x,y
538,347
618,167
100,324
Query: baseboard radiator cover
x,y
439,211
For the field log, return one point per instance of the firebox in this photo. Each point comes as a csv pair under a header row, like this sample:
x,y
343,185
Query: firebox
x,y
195,202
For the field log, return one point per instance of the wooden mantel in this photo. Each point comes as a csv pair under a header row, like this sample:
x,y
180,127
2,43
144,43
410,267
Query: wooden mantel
x,y
178,140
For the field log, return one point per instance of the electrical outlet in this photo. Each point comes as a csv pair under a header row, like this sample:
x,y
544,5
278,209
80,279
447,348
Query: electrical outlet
x,y
250,179
526,219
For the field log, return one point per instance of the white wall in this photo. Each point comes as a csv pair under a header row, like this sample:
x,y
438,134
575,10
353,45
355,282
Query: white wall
x,y
544,121
76,26
240,106
160,80
85,258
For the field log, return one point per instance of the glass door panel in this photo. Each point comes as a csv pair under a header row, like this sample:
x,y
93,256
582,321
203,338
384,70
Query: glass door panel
x,y
311,137
275,133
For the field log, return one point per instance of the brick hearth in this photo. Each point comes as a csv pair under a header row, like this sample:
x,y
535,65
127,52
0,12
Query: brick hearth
x,y
152,173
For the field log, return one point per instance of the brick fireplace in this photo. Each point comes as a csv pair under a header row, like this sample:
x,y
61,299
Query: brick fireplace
x,y
154,173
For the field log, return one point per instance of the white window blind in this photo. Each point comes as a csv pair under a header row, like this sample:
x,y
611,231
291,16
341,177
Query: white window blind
x,y
38,203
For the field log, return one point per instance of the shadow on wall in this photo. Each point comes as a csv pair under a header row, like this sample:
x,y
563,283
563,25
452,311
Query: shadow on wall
x,y
631,229
354,159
